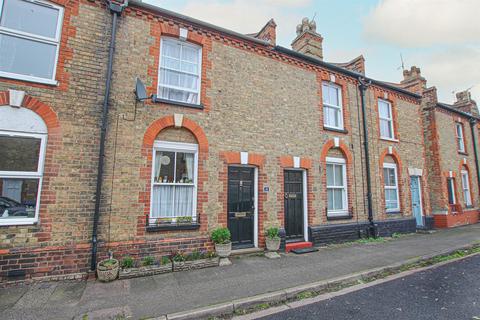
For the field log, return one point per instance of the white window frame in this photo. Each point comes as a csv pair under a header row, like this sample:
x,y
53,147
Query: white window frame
x,y
460,137
199,75
389,120
338,108
451,184
32,37
27,175
176,147
467,195
393,166
343,163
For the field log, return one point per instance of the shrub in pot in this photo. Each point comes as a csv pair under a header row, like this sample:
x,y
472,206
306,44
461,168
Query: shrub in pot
x,y
272,239
221,239
107,270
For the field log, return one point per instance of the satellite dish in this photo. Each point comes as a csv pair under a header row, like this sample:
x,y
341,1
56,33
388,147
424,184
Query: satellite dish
x,y
140,91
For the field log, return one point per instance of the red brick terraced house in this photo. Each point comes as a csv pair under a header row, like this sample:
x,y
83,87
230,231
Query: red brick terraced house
x,y
234,131
451,135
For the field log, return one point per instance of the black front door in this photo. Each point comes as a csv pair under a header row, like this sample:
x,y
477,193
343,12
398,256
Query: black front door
x,y
241,205
293,204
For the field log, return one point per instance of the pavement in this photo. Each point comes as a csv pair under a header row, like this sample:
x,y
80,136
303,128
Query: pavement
x,y
450,291
154,296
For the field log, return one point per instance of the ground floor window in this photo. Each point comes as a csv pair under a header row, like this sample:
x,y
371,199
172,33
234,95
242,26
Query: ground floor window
x,y
337,203
466,188
21,172
390,180
174,183
451,191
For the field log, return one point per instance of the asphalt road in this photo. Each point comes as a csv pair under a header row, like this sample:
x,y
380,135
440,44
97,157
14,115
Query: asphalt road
x,y
451,291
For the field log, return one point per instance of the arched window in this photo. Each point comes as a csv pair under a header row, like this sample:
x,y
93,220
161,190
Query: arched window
x,y
390,181
467,196
174,178
337,193
23,139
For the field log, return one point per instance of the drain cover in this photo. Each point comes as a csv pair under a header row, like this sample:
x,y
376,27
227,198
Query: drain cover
x,y
304,250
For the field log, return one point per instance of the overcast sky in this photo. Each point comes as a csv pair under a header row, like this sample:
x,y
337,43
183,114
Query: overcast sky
x,y
442,37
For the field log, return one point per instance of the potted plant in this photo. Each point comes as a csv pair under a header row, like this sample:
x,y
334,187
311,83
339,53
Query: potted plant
x,y
107,270
273,239
221,239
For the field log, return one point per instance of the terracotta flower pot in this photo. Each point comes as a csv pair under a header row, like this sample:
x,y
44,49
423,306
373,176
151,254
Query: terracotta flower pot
x,y
223,249
272,244
107,273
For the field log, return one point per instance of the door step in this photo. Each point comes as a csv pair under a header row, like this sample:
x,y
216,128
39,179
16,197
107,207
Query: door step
x,y
246,251
304,250
297,245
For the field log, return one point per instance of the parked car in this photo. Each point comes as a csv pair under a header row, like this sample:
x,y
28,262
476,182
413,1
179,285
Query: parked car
x,y
12,208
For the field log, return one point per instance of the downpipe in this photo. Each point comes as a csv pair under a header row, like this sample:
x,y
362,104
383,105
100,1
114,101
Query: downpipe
x,y
116,9
473,122
372,229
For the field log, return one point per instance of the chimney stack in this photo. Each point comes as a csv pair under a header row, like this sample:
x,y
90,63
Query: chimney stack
x,y
268,32
413,80
308,41
465,103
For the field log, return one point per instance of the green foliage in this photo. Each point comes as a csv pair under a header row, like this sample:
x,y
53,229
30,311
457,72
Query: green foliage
x,y
179,257
195,255
273,233
164,260
221,236
184,220
148,261
109,263
210,254
127,262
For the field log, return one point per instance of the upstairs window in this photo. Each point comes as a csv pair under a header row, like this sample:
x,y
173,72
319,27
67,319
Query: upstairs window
x,y
29,39
460,138
386,119
390,180
180,69
336,187
332,106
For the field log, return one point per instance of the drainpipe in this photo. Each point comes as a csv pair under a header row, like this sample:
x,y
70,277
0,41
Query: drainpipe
x,y
116,8
363,88
473,122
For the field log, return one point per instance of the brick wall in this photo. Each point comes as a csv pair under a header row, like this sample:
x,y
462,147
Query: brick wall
x,y
71,111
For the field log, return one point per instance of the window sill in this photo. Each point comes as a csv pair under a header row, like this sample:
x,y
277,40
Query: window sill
x,y
155,99
13,223
346,216
334,129
395,212
19,77
389,139
173,227
463,153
